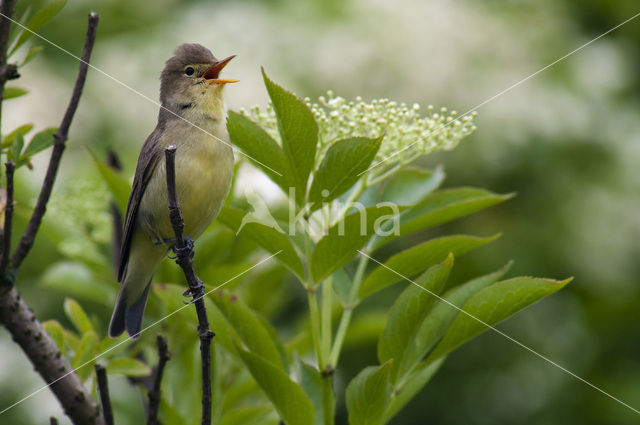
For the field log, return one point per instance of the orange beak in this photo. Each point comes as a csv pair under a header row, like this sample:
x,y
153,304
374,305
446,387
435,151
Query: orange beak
x,y
211,74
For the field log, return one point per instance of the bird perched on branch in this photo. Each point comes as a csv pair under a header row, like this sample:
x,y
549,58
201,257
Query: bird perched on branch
x,y
192,117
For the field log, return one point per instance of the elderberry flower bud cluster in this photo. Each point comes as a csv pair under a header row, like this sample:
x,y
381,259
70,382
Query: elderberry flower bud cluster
x,y
407,134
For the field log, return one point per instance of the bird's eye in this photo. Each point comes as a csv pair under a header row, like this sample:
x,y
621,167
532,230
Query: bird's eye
x,y
189,71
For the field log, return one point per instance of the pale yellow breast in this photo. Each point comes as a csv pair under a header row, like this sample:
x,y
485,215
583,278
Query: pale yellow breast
x,y
204,169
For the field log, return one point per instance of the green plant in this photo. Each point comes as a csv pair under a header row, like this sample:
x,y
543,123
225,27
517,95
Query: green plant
x,y
326,157
346,170
264,373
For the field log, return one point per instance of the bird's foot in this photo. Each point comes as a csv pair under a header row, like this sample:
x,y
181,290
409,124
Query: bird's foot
x,y
164,241
187,250
196,292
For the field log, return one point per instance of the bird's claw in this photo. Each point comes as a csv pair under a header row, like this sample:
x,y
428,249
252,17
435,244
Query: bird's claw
x,y
196,292
187,249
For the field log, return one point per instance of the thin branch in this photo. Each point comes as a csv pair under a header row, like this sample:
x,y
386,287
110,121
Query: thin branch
x,y
7,7
103,389
28,237
154,394
8,218
184,258
53,421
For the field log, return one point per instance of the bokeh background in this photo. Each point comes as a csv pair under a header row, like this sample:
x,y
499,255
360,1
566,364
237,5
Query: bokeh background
x,y
567,141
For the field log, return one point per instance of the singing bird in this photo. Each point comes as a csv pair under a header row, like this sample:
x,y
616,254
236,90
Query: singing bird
x,y
192,117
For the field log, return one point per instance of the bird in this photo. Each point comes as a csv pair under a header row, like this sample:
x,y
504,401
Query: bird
x,y
193,118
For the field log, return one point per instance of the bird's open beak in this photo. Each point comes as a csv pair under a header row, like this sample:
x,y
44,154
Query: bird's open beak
x,y
211,74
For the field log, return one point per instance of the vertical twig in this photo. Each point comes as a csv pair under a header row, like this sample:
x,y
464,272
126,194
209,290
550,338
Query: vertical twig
x,y
53,421
184,258
7,7
154,394
29,235
8,218
103,389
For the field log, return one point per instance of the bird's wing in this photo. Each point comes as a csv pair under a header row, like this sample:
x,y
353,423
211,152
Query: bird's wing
x,y
147,161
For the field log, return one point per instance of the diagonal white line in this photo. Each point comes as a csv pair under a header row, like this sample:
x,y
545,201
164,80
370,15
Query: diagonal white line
x,y
137,92
481,104
503,334
138,334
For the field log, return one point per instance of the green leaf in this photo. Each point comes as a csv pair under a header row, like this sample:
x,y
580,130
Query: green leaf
x,y
289,399
118,185
16,147
15,30
410,185
240,389
55,331
492,305
77,316
341,167
13,92
368,395
168,414
342,285
41,141
344,239
128,367
39,18
85,355
247,324
71,340
76,280
422,374
10,138
311,382
443,206
245,415
415,260
115,346
269,238
298,131
261,149
443,314
406,315
32,53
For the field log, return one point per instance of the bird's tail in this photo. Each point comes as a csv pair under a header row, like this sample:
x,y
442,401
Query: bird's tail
x,y
144,257
128,317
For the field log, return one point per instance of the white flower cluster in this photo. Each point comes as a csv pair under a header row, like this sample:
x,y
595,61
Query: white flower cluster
x,y
407,134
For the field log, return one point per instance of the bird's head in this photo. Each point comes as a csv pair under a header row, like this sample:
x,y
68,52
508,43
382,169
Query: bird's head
x,y
190,83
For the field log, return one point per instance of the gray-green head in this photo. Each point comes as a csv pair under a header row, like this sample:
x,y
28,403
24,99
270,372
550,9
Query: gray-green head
x,y
190,80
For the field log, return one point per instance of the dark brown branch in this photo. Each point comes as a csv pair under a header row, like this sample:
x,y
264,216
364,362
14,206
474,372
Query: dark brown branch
x,y
154,394
184,258
103,389
47,360
8,218
7,71
15,314
28,237
53,421
7,7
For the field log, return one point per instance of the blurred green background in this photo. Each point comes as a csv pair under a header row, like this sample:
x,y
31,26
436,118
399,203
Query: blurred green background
x,y
567,141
